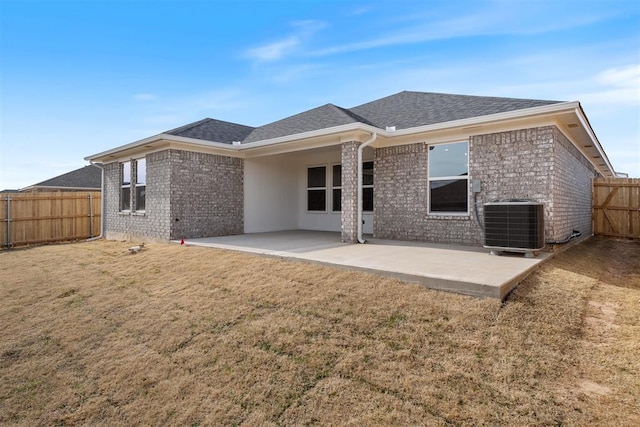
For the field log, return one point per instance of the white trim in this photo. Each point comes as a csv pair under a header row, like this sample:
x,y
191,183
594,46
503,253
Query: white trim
x,y
587,126
307,189
367,185
446,178
334,187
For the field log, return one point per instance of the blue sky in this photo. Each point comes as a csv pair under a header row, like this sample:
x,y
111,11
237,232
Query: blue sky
x,y
80,77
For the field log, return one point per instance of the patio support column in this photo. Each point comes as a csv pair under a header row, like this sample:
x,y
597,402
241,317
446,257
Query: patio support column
x,y
349,217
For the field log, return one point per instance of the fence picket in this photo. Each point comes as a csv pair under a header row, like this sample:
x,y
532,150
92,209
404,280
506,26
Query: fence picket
x,y
616,207
33,218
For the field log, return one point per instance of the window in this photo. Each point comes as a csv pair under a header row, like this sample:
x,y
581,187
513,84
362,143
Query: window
x,y
125,190
337,188
133,176
317,189
367,186
448,178
141,184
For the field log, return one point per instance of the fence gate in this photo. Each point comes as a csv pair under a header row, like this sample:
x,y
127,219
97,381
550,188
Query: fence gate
x,y
616,207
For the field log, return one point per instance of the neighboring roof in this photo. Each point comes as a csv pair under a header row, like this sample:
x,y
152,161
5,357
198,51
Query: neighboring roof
x,y
85,178
9,191
213,130
411,109
323,117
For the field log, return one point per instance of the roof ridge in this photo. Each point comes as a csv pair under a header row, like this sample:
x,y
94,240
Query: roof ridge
x,y
58,180
188,126
200,122
354,116
456,95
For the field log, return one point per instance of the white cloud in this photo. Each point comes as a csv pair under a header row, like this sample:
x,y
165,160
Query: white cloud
x,y
281,48
628,76
493,19
275,50
619,86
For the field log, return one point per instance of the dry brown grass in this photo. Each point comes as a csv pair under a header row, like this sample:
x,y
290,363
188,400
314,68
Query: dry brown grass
x,y
192,336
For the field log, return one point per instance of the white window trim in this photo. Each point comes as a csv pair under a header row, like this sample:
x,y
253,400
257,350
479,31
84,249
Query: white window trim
x,y
325,188
122,186
135,186
334,187
447,178
368,185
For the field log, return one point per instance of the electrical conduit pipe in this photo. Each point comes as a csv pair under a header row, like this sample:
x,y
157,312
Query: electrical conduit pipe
x,y
360,148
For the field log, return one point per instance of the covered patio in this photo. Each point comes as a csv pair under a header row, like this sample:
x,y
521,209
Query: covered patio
x,y
462,269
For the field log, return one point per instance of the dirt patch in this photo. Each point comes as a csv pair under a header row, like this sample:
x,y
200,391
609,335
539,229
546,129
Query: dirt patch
x,y
592,389
197,336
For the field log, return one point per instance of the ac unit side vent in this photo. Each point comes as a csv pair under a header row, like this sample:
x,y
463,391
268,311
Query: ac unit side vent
x,y
514,226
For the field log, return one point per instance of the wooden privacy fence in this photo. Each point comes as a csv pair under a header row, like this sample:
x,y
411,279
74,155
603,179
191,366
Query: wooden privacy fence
x,y
33,218
616,207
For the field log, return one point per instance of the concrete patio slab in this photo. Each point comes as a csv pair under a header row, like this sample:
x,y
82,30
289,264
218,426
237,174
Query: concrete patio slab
x,y
462,269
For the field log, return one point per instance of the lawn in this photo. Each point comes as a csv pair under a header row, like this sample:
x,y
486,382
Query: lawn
x,y
90,334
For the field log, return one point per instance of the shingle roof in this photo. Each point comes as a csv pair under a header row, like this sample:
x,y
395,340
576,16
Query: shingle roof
x,y
85,177
213,130
402,110
410,109
323,117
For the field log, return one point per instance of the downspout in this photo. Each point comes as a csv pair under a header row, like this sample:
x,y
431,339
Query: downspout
x,y
102,202
360,148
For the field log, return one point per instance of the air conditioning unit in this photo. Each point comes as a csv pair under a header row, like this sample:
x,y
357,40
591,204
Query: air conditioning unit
x,y
514,226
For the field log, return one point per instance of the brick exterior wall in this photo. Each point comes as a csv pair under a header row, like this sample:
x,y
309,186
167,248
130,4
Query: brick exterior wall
x,y
571,189
349,217
191,195
207,195
204,192
514,165
538,164
401,200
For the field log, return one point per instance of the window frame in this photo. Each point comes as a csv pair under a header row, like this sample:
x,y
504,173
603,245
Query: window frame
x,y
324,189
138,185
431,179
132,205
335,187
122,166
367,186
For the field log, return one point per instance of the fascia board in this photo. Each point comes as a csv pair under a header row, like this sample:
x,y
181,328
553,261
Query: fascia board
x,y
162,137
314,134
117,150
596,143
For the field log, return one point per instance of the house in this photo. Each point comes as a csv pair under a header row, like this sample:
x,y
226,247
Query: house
x,y
429,162
87,178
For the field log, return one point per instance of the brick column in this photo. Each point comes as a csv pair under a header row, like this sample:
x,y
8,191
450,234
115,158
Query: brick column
x,y
349,217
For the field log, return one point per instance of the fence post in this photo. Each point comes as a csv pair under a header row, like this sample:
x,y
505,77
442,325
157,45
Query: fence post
x,y
90,215
8,221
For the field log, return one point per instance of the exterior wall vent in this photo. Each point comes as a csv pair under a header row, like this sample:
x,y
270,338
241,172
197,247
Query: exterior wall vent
x,y
514,226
